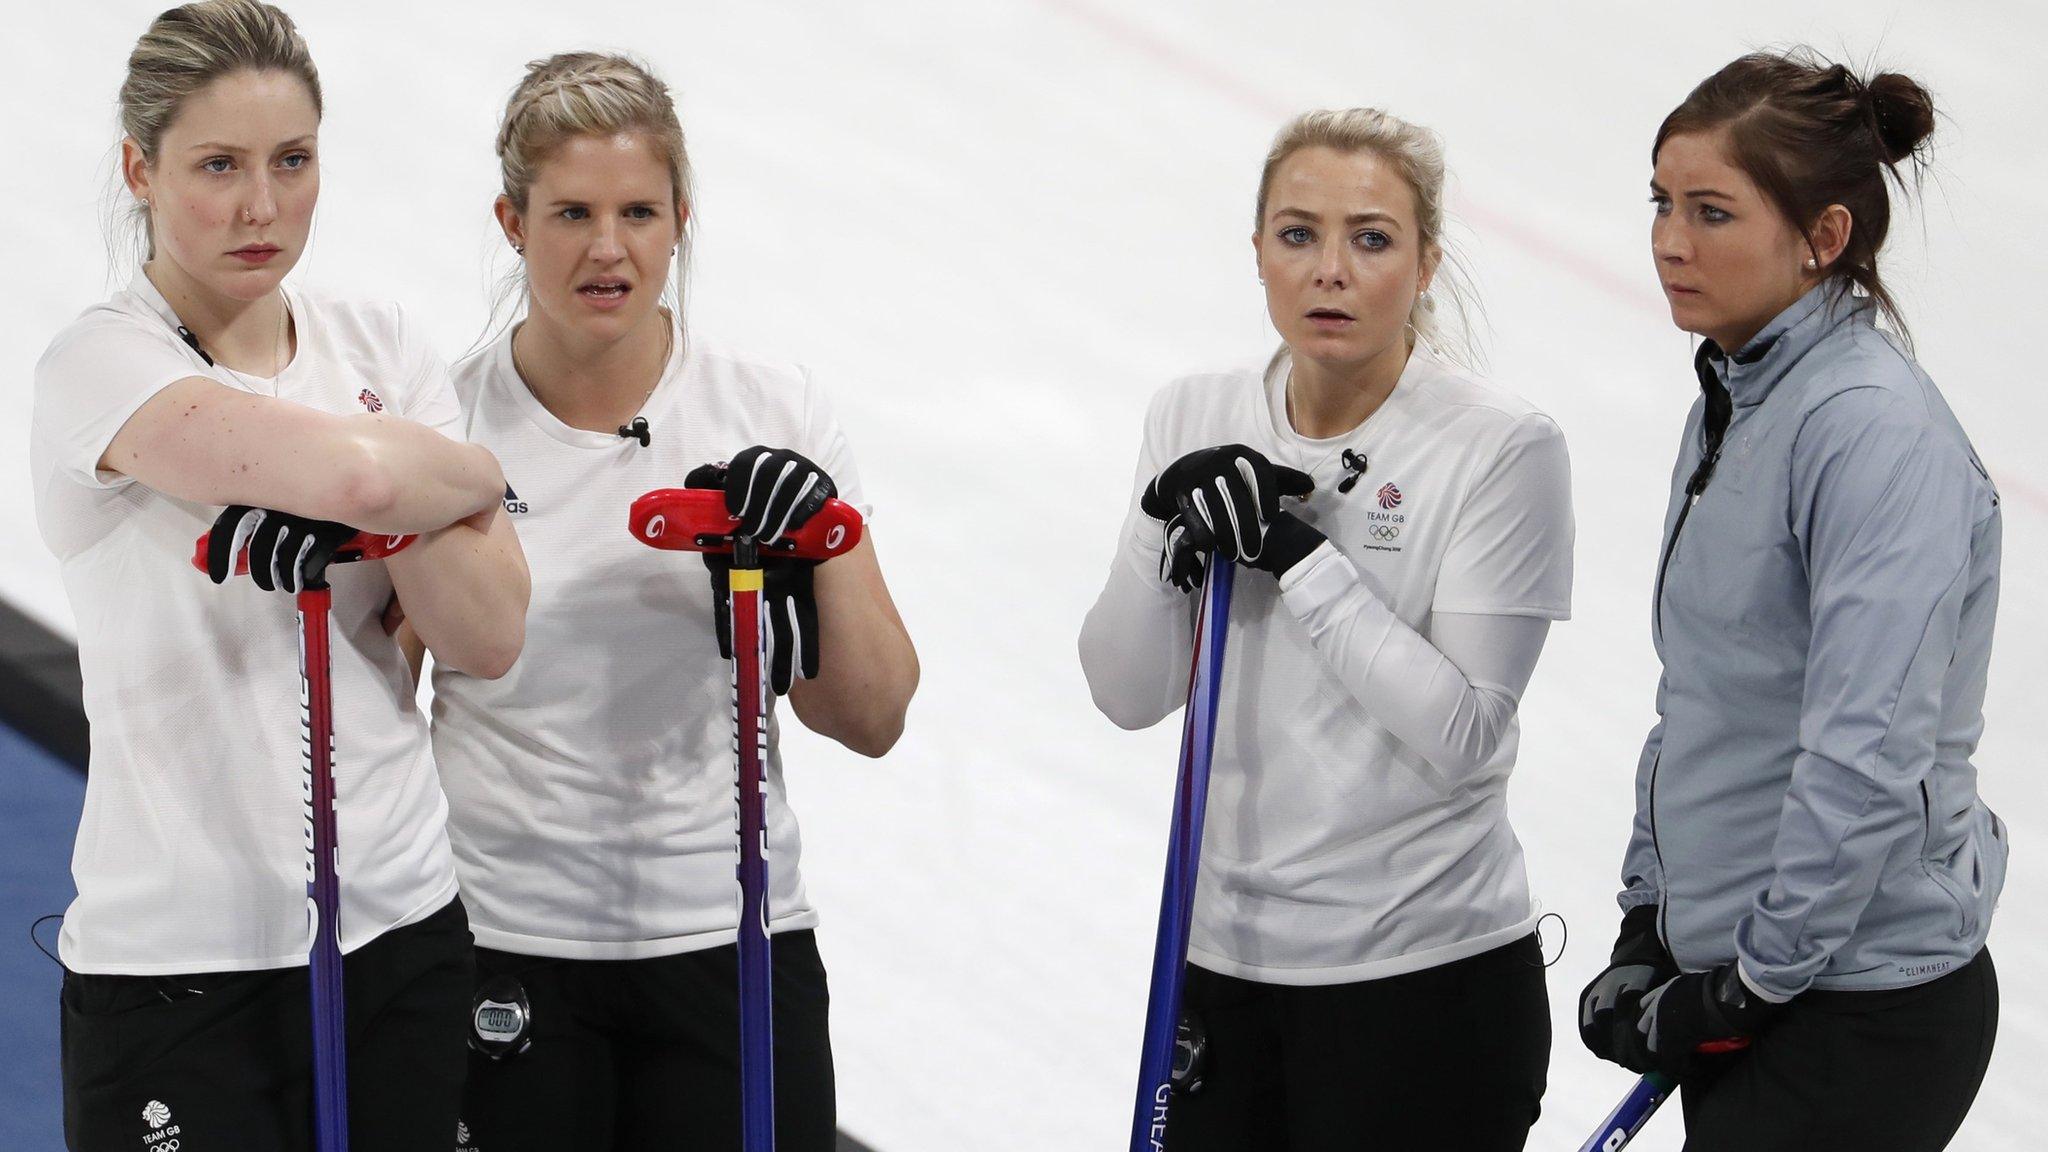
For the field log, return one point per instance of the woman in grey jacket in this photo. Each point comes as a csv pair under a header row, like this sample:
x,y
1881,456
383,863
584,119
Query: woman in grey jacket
x,y
1811,873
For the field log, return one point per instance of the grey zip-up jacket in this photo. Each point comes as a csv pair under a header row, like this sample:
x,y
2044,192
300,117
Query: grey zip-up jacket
x,y
1824,605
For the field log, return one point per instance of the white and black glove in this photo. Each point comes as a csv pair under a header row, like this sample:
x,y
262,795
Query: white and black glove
x,y
1228,499
772,491
789,605
1638,963
1690,1019
789,609
286,552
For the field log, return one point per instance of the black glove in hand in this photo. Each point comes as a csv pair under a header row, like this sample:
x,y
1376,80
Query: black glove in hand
x,y
1679,1016
1228,499
789,611
789,606
1639,963
1183,562
286,552
771,490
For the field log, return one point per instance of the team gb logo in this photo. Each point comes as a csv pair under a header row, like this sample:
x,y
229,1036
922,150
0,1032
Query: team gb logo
x,y
1389,496
370,400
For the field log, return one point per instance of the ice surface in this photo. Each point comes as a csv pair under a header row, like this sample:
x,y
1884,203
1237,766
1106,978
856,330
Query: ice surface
x,y
994,230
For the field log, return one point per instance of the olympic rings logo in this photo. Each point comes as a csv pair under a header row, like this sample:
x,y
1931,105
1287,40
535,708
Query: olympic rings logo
x,y
1385,532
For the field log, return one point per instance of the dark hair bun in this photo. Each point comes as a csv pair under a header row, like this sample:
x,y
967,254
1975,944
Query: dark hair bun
x,y
1904,114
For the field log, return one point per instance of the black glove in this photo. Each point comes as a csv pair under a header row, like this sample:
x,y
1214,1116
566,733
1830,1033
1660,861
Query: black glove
x,y
771,490
1714,1009
286,552
789,607
1183,563
1639,963
1228,499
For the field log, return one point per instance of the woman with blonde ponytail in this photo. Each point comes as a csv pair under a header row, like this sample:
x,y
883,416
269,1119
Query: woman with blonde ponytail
x,y
591,789
210,381
1363,969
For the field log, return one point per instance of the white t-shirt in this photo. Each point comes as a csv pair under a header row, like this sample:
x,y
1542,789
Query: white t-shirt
x,y
190,854
591,788
1333,851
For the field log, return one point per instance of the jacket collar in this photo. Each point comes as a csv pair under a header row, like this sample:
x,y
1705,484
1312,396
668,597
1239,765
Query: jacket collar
x,y
1755,369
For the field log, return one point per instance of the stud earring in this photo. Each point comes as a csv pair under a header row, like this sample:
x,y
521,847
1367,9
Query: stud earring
x,y
1811,263
519,248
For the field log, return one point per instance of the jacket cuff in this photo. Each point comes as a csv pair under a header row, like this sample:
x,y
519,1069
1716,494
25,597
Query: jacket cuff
x,y
1756,988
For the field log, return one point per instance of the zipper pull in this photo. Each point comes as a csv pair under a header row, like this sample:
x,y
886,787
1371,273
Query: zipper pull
x,y
1697,486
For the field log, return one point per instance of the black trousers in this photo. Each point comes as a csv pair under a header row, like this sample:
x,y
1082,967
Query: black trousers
x,y
1449,1057
224,1060
1891,1071
644,1054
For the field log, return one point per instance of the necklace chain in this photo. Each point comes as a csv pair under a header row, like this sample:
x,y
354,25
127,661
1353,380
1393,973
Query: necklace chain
x,y
278,349
1294,437
668,348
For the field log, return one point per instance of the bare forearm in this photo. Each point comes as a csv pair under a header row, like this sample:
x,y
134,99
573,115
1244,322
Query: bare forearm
x,y
867,667
464,589
200,441
432,482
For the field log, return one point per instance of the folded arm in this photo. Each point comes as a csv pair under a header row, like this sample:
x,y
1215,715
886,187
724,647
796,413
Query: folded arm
x,y
199,440
1450,696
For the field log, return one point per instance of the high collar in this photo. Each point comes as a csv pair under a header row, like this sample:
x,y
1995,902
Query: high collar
x,y
1755,369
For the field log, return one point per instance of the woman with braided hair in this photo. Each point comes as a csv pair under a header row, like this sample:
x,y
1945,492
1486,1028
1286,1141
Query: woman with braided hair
x,y
591,789
1812,873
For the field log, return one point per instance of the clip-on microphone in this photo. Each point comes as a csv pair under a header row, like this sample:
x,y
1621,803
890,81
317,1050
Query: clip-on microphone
x,y
1354,462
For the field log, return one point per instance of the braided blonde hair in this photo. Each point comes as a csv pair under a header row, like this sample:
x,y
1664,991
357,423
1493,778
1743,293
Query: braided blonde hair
x,y
576,94
1417,154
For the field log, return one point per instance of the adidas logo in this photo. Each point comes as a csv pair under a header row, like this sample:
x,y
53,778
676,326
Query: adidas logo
x,y
512,501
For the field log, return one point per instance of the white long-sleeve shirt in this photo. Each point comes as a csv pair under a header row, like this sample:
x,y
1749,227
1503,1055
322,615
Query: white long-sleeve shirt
x,y
1357,825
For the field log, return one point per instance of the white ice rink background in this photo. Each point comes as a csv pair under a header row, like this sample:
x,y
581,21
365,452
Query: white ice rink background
x,y
994,230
